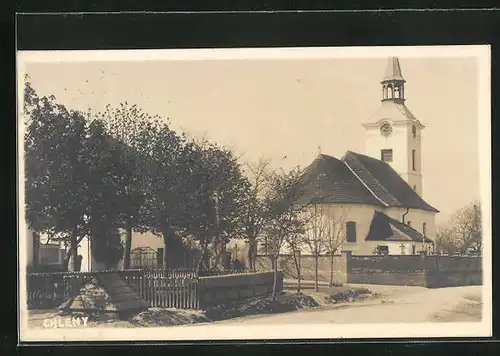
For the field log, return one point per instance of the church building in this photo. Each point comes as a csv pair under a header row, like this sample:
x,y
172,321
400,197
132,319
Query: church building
x,y
377,197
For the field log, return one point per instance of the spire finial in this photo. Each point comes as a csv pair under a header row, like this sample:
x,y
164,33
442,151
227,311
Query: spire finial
x,y
393,70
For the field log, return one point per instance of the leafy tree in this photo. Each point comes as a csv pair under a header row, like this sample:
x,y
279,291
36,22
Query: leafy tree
x,y
217,194
133,128
55,186
168,166
285,215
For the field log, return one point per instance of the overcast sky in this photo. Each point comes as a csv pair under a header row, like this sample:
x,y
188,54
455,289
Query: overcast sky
x,y
286,107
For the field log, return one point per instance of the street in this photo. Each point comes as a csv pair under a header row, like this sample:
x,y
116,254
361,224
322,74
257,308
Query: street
x,y
395,304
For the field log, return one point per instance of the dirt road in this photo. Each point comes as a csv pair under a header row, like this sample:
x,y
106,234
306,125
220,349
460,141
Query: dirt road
x,y
394,304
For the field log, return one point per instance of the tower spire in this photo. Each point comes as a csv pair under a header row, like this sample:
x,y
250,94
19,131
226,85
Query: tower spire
x,y
393,82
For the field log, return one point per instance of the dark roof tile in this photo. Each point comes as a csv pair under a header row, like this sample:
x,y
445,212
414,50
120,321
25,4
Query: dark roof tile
x,y
329,180
385,183
385,228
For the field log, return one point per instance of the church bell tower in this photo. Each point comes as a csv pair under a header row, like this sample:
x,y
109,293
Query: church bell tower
x,y
393,134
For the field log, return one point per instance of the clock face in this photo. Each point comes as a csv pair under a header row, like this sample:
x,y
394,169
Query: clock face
x,y
386,129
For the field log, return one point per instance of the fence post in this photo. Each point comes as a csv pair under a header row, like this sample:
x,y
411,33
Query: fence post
x,y
347,264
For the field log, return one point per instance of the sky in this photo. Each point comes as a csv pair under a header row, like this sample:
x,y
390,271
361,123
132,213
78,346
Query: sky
x,y
284,109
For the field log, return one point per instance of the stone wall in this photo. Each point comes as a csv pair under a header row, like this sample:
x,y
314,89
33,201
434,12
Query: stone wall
x,y
412,270
426,271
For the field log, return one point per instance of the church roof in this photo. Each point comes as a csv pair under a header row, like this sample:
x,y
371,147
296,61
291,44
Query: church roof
x,y
329,180
358,179
393,70
393,111
385,228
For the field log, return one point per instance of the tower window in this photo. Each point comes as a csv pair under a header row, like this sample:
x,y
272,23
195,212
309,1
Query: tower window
x,y
424,229
413,160
386,155
350,231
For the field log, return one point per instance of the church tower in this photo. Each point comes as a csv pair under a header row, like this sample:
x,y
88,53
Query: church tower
x,y
393,134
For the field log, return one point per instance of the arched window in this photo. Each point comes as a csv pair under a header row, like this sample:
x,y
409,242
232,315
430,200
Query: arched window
x,y
350,227
424,229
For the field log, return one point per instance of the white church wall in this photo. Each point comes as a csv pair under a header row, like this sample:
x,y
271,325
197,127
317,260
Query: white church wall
x,y
417,219
397,141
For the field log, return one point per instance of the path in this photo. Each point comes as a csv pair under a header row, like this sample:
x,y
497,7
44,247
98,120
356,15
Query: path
x,y
396,304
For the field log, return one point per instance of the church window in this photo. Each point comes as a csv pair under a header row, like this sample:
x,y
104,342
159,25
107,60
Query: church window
x,y
413,159
424,229
350,231
413,249
386,155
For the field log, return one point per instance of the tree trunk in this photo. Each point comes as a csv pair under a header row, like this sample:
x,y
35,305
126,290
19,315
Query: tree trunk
x,y
275,277
251,255
36,249
316,272
73,251
296,260
128,247
331,270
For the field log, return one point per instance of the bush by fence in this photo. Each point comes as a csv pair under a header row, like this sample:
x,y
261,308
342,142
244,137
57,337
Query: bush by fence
x,y
184,289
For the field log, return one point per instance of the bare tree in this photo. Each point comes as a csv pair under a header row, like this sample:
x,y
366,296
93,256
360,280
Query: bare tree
x,y
319,229
296,243
255,213
337,237
464,232
284,214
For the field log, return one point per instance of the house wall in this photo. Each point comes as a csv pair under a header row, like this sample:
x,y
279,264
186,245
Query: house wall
x,y
146,239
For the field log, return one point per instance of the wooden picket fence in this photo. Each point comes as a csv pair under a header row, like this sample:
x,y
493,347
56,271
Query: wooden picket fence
x,y
167,288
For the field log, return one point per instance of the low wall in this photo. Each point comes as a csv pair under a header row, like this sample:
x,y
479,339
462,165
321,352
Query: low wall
x,y
426,271
326,264
220,289
407,270
389,278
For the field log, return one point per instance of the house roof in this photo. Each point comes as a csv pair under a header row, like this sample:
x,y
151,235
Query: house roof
x,y
357,179
385,228
393,70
